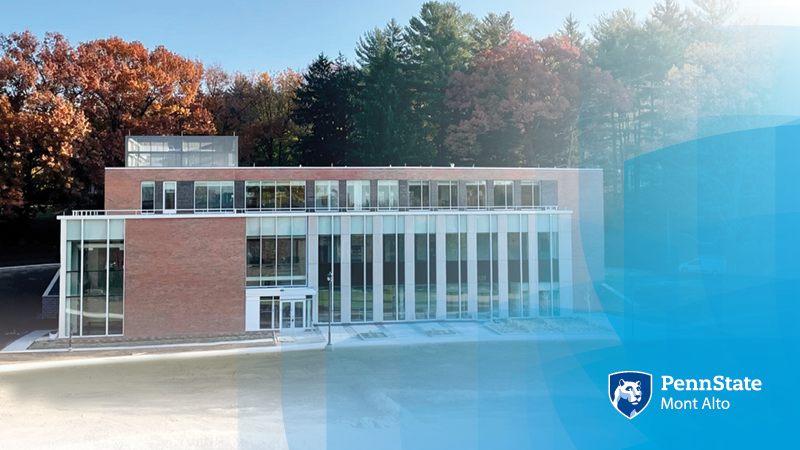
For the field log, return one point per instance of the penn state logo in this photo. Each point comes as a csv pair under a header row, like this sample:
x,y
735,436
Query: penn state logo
x,y
630,392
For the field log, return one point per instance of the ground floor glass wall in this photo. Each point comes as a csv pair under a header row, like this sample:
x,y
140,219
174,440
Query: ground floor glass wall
x,y
94,273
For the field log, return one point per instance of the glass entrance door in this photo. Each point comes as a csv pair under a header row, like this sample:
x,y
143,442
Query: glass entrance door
x,y
292,314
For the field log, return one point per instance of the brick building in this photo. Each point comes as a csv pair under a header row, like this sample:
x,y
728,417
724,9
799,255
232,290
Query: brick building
x,y
191,244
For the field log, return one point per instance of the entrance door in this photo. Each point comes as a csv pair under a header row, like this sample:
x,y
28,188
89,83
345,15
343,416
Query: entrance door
x,y
292,314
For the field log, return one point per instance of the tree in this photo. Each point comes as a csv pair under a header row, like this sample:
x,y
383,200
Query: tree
x,y
713,13
124,88
39,126
387,131
325,105
492,31
528,102
572,32
440,43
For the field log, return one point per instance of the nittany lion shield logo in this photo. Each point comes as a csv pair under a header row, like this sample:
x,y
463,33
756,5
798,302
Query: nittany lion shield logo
x,y
630,392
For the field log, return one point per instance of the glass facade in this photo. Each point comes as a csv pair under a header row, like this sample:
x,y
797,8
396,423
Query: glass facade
x,y
549,294
419,195
530,194
388,194
276,251
326,195
330,262
503,194
476,194
361,269
424,267
148,196
456,267
95,268
394,269
211,196
358,195
275,195
448,194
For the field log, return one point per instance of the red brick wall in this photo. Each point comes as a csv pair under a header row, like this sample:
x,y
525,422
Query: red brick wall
x,y
184,276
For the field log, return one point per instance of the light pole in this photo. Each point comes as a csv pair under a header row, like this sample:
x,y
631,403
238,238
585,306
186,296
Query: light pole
x,y
330,306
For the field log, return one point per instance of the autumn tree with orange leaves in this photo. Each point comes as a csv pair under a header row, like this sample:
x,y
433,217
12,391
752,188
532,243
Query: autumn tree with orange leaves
x,y
64,112
40,127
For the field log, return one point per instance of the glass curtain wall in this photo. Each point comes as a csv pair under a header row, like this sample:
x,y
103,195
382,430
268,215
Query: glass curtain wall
x,y
394,268
358,195
388,194
456,267
419,195
448,194
94,277
276,251
424,267
361,279
530,194
330,261
326,195
211,196
488,276
148,196
518,276
275,195
503,194
549,295
476,194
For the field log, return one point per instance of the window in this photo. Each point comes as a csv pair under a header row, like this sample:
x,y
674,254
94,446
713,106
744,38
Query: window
x,y
476,194
424,267
326,195
388,194
95,270
169,196
361,269
148,195
358,195
268,314
213,195
394,273
276,251
503,194
549,295
419,194
530,194
272,195
456,267
448,194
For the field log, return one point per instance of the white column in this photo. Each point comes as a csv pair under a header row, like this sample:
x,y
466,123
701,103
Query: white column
x,y
472,266
62,283
312,245
533,264
502,263
441,269
565,263
409,256
345,269
377,268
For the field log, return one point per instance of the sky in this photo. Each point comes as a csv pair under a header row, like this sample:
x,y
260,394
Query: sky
x,y
260,35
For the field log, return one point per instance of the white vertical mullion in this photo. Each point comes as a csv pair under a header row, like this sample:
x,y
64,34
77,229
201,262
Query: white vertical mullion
x,y
62,285
108,265
80,316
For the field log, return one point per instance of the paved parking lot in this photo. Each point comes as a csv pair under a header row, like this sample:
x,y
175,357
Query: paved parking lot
x,y
21,291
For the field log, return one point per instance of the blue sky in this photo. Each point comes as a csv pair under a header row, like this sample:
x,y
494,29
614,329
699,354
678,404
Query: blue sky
x,y
272,35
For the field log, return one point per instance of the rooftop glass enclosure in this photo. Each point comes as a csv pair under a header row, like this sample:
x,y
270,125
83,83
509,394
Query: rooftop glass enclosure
x,y
181,151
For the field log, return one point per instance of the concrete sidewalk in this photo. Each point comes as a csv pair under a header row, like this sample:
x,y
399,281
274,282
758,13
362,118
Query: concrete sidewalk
x,y
342,336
